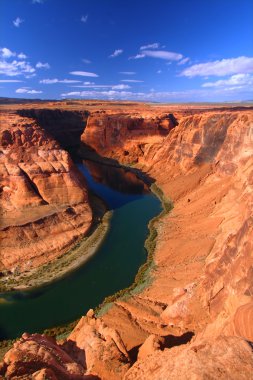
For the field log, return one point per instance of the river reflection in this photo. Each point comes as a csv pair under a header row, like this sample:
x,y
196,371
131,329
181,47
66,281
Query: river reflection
x,y
118,179
112,268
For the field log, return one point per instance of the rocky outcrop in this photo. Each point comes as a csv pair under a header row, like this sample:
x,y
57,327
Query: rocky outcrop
x,y
224,358
92,351
44,202
195,317
124,136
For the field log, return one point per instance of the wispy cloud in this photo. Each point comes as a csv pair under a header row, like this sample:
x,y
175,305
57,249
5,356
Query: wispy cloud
x,y
27,90
17,22
84,19
121,87
10,81
37,1
158,71
86,60
152,95
41,65
234,80
138,56
220,67
84,74
55,80
102,86
127,72
111,94
184,61
162,54
116,53
132,80
155,45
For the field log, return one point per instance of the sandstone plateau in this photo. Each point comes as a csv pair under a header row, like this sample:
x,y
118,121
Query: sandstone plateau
x,y
195,319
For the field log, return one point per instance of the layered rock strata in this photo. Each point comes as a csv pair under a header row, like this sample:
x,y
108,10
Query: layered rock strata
x,y
44,201
195,318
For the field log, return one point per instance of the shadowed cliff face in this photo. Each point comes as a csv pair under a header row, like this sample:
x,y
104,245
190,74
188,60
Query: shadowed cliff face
x,y
64,126
202,282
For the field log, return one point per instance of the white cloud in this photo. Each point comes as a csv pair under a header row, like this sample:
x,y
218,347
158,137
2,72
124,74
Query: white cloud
x,y
15,68
9,81
17,22
127,72
7,53
96,86
195,95
184,61
55,80
116,53
138,56
22,56
155,45
27,90
84,19
111,94
120,87
234,80
221,68
159,71
41,65
37,1
84,74
86,60
132,80
162,54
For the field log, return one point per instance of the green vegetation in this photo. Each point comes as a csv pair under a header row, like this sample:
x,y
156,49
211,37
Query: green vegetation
x,y
70,260
143,277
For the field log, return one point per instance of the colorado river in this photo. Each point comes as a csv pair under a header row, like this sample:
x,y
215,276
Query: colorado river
x,y
112,268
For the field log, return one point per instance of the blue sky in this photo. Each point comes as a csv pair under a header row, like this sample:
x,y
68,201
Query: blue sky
x,y
154,50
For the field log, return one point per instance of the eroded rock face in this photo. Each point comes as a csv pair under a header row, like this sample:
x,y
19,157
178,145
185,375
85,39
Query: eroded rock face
x,y
223,358
44,202
124,136
202,282
39,357
92,351
99,348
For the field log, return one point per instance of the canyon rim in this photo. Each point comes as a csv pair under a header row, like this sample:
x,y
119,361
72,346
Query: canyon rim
x,y
126,160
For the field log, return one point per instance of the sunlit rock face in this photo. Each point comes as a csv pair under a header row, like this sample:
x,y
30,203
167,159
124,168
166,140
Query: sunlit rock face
x,y
194,318
44,203
125,136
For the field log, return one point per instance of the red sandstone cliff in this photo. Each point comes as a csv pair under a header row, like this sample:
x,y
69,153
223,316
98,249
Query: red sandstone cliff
x,y
44,206
123,136
200,298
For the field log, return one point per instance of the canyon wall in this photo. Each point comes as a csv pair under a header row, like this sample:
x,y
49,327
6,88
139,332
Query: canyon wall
x,y
44,201
123,136
195,318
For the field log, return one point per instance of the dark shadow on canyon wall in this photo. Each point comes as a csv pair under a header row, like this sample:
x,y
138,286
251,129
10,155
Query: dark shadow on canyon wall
x,y
66,127
168,341
174,341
